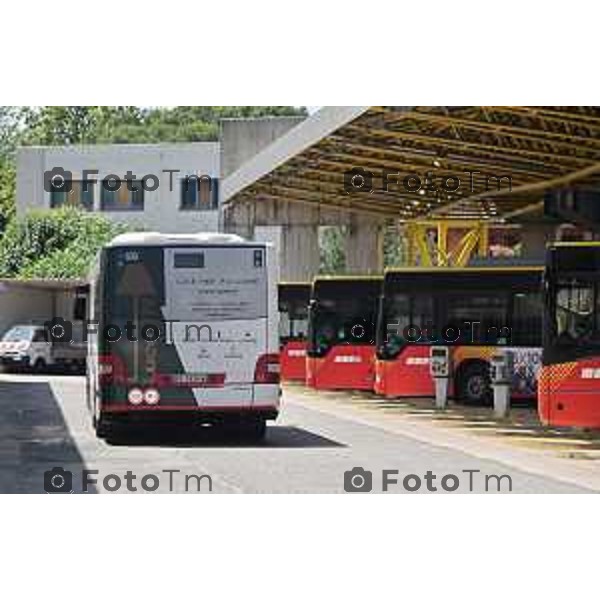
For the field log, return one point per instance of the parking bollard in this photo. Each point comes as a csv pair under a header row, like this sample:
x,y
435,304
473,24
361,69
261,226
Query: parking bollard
x,y
439,367
502,372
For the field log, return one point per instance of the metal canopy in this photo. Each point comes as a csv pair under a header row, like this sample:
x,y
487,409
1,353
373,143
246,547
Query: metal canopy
x,y
55,285
505,159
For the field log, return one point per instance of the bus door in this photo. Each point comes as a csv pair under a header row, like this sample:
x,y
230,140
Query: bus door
x,y
402,366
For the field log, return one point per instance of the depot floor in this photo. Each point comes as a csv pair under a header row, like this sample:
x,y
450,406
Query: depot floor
x,y
319,438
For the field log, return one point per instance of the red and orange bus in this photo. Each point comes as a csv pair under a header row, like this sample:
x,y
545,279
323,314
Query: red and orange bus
x,y
472,310
293,326
341,332
570,375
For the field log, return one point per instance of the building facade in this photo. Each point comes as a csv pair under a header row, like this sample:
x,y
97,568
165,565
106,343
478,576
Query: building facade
x,y
172,188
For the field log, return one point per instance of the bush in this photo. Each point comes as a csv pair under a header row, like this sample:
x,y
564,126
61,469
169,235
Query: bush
x,y
59,243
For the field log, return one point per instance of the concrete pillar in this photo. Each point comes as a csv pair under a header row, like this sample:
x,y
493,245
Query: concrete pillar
x,y
364,245
272,234
534,237
299,259
238,219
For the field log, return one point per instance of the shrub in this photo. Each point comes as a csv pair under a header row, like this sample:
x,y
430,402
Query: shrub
x,y
59,243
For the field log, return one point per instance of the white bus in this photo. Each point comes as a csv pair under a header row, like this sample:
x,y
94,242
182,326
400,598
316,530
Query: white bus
x,y
184,326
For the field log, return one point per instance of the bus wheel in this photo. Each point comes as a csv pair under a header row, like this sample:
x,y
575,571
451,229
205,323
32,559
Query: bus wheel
x,y
103,428
255,430
474,384
39,366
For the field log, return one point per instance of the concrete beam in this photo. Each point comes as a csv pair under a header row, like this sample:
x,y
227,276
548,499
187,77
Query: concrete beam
x,y
242,139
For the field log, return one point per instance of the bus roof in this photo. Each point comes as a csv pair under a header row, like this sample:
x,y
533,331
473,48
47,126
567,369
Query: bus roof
x,y
321,278
450,270
154,238
582,244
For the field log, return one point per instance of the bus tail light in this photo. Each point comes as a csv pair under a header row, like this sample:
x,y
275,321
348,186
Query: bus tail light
x,y
267,369
112,370
152,396
105,369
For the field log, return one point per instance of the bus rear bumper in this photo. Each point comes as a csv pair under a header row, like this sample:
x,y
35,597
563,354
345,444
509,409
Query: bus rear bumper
x,y
188,414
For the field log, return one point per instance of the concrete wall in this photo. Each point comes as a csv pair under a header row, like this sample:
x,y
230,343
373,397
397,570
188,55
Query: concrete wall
x,y
161,207
241,139
23,305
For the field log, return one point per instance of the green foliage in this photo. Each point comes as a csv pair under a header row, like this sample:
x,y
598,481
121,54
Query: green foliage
x,y
395,247
60,125
331,250
58,243
7,191
11,118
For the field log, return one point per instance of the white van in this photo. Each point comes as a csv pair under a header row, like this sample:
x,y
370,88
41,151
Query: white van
x,y
26,346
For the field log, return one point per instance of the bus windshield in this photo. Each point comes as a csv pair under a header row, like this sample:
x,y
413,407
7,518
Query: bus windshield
x,y
342,312
571,322
293,311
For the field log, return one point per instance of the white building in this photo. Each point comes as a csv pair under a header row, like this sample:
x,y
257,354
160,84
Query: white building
x,y
186,199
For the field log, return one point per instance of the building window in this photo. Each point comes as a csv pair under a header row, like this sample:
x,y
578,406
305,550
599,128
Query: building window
x,y
199,193
123,199
77,197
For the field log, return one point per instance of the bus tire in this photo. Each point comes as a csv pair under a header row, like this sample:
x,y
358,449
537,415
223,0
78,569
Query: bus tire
x,y
39,366
256,429
103,428
474,384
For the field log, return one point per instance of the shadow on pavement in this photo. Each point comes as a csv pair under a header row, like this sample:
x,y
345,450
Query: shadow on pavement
x,y
34,439
278,436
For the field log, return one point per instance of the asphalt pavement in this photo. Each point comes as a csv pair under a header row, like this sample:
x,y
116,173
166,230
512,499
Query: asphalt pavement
x,y
45,430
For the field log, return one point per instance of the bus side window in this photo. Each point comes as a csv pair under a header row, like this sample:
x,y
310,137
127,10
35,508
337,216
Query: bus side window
x,y
397,317
527,319
422,317
487,309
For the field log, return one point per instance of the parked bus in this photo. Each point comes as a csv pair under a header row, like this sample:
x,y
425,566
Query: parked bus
x,y
293,326
341,332
473,310
202,341
570,376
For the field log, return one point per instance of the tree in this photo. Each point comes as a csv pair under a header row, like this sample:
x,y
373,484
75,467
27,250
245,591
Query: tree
x,y
61,125
11,120
331,250
58,243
